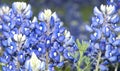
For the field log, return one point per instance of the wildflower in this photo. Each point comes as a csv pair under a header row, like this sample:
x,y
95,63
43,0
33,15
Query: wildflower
x,y
34,44
104,45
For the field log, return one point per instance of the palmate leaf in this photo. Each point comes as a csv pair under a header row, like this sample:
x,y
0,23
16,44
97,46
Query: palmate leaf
x,y
82,46
83,61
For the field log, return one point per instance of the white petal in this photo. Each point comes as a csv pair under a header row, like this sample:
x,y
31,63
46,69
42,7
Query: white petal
x,y
47,14
103,8
27,8
97,11
23,38
34,20
16,37
110,9
1,12
115,18
28,14
55,16
41,16
19,37
35,62
27,65
19,6
42,67
67,34
23,5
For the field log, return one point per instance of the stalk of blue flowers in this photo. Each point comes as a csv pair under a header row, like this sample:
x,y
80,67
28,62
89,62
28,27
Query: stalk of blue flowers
x,y
104,38
37,46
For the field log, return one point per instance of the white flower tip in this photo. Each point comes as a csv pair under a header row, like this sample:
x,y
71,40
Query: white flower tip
x,y
4,10
16,37
35,62
103,8
34,19
67,34
45,15
19,37
19,6
110,9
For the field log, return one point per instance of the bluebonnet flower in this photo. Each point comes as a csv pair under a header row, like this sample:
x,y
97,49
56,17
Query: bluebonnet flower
x,y
33,44
104,43
57,38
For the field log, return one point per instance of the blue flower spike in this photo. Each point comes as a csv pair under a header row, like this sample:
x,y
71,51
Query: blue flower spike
x,y
104,40
33,44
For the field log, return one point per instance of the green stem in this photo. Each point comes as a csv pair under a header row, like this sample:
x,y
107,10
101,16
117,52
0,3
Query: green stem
x,y
98,61
88,65
116,67
46,60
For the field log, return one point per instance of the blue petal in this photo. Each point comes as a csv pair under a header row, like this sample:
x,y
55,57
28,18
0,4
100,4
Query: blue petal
x,y
3,60
61,30
57,58
116,43
6,18
56,45
5,27
113,59
107,54
9,51
28,14
103,68
43,24
27,44
115,18
52,21
4,68
61,38
117,29
60,64
12,24
61,49
93,38
5,43
6,34
88,28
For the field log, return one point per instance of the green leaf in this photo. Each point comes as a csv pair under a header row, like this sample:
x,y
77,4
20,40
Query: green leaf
x,y
67,68
58,69
82,48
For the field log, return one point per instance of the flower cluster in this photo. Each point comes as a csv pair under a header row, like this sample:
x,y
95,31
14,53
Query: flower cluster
x,y
31,43
104,46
